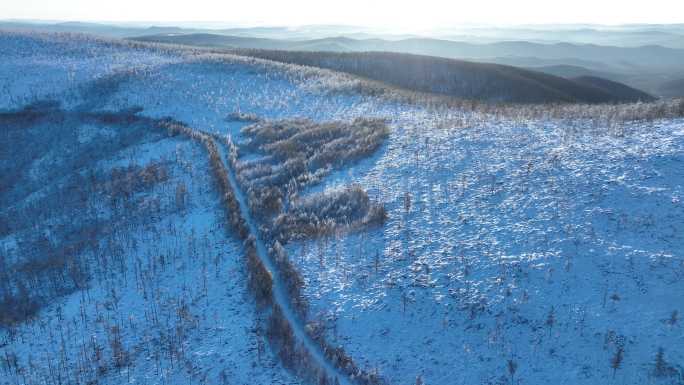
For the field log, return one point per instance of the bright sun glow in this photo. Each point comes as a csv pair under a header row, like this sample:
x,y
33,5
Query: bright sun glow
x,y
414,15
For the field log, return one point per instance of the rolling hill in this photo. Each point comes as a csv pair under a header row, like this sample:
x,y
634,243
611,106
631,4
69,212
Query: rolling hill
x,y
179,216
643,67
610,87
462,79
573,71
458,78
673,88
641,56
612,58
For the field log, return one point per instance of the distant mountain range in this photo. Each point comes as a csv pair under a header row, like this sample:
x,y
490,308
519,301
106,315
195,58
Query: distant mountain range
x,y
648,68
612,59
673,88
633,35
645,57
636,35
461,79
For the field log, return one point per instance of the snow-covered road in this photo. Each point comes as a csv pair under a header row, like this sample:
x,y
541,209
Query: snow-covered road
x,y
280,295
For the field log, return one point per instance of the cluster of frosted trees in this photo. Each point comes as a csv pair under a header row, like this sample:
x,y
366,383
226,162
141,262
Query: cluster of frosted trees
x,y
295,154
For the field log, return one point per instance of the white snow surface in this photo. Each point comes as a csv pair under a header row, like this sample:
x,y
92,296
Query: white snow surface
x,y
506,223
546,243
185,270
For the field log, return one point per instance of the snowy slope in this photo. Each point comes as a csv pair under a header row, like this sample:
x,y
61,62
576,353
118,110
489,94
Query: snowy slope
x,y
166,302
38,66
175,301
544,246
521,243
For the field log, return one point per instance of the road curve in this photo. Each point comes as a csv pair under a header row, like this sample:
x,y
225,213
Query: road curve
x,y
280,296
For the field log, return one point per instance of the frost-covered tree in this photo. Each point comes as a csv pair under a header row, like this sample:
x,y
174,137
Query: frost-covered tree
x,y
407,201
551,319
660,366
512,367
674,318
616,360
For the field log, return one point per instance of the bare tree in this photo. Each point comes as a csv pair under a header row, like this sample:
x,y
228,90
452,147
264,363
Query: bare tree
x,y
512,368
674,318
551,319
616,361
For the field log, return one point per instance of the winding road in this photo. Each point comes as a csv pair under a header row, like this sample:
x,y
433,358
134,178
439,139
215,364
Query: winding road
x,y
280,296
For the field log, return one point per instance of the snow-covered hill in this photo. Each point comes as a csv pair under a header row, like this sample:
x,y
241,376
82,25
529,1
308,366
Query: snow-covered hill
x,y
512,243
514,251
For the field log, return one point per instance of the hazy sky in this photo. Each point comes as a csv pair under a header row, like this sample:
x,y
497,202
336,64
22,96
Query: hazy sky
x,y
415,14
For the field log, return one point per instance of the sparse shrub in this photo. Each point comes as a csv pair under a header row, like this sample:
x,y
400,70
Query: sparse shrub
x,y
551,319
